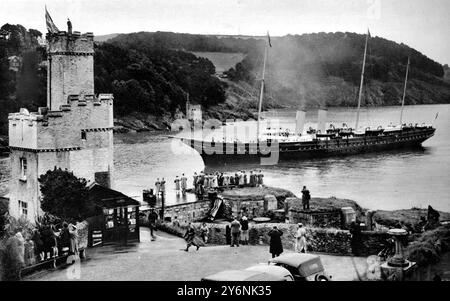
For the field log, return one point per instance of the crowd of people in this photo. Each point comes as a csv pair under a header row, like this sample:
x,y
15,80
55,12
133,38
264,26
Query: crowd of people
x,y
204,181
239,233
50,242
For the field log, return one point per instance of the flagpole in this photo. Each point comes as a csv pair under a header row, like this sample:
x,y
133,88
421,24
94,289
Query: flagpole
x,y
261,92
404,93
362,81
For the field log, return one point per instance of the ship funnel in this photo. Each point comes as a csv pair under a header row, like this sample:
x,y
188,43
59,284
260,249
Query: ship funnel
x,y
322,116
299,122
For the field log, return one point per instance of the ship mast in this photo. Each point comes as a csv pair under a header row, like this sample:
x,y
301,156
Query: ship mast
x,y
404,92
362,81
262,89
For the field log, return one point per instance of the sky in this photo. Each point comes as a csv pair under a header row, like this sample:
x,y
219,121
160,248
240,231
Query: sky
x,y
421,24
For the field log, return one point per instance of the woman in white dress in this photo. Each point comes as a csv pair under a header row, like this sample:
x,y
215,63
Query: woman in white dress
x,y
300,239
214,181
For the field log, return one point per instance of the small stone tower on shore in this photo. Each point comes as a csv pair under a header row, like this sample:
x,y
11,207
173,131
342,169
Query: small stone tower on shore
x,y
74,131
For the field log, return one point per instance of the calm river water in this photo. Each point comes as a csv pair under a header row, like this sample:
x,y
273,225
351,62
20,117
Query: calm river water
x,y
392,180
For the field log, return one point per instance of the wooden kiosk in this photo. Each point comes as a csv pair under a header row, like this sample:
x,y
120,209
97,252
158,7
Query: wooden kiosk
x,y
118,221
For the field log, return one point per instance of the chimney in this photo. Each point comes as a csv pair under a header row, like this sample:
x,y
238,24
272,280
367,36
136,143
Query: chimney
x,y
299,122
322,116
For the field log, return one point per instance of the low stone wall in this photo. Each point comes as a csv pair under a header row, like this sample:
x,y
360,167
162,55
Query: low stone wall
x,y
325,240
316,218
252,208
188,211
372,242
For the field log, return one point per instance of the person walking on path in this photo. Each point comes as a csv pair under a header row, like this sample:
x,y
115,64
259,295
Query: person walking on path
x,y
244,228
152,217
228,234
183,184
305,198
191,239
235,231
204,231
300,239
276,248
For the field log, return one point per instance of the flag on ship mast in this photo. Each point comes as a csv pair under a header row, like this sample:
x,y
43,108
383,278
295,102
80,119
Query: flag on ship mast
x,y
268,39
51,27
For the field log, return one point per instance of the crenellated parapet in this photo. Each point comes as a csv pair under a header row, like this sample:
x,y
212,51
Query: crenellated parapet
x,y
47,130
63,43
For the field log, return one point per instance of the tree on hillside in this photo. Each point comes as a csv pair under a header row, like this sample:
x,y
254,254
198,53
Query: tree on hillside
x,y
64,195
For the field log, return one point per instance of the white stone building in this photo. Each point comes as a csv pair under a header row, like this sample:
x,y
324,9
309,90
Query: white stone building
x,y
193,112
74,131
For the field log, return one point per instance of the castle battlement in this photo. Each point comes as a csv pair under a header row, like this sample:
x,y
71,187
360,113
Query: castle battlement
x,y
58,129
43,113
73,44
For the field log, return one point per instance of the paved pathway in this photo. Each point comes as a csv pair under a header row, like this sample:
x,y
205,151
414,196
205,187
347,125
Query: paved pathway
x,y
164,259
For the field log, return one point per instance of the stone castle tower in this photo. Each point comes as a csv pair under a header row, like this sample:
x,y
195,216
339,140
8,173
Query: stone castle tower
x,y
74,131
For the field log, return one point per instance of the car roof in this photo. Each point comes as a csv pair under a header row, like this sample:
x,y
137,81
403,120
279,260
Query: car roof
x,y
295,259
242,275
271,269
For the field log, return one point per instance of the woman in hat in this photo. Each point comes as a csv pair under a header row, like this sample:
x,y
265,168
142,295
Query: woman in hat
x,y
300,239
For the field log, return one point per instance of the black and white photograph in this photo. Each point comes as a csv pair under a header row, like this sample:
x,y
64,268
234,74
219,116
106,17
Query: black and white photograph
x,y
209,142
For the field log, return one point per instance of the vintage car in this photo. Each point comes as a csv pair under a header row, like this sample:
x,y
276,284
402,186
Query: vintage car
x,y
243,275
303,267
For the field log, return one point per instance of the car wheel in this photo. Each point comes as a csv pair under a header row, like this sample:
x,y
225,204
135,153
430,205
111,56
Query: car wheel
x,y
322,278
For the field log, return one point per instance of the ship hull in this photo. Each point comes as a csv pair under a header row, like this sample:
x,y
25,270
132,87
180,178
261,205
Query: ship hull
x,y
213,153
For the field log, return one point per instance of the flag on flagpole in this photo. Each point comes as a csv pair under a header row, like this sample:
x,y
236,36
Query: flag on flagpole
x,y
368,33
51,27
268,39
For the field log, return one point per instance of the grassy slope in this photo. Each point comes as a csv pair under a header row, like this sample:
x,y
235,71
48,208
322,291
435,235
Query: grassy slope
x,y
222,60
406,216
